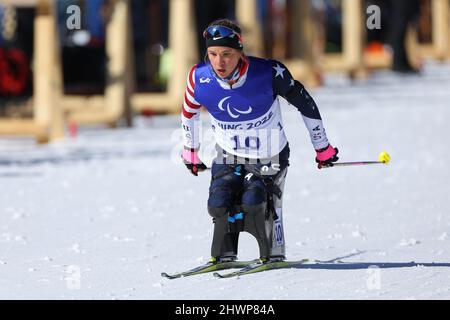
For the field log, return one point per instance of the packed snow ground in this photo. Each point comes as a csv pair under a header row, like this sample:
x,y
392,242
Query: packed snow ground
x,y
102,215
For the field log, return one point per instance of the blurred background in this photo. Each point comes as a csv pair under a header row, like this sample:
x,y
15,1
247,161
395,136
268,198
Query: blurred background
x,y
68,63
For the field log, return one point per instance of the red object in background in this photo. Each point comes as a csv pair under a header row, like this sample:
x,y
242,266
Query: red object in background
x,y
147,116
14,71
375,47
147,113
73,129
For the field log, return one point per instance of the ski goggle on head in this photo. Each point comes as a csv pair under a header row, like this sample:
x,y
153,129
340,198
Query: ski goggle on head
x,y
220,32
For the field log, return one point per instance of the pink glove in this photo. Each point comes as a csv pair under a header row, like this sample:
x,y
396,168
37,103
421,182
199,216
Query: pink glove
x,y
326,156
192,161
190,156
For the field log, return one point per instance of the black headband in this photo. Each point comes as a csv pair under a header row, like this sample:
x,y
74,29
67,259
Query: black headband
x,y
232,42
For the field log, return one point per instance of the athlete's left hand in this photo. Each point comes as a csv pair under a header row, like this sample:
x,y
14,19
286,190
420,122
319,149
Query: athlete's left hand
x,y
326,156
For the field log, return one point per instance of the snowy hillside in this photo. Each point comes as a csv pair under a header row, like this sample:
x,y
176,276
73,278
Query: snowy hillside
x,y
102,215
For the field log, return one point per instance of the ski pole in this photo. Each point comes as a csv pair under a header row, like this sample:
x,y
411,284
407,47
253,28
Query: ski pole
x,y
383,158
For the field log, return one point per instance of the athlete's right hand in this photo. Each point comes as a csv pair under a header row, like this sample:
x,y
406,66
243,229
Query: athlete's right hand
x,y
192,161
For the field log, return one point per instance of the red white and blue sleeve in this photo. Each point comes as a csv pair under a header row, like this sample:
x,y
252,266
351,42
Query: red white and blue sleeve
x,y
295,93
190,115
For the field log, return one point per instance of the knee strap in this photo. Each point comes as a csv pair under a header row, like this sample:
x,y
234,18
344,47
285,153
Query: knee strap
x,y
217,212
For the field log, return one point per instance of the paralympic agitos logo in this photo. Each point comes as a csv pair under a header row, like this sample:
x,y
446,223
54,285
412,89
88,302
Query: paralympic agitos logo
x,y
232,111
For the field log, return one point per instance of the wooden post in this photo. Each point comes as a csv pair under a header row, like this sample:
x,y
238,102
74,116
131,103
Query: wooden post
x,y
352,34
182,53
131,72
246,13
441,28
412,45
182,46
20,3
301,39
47,76
117,91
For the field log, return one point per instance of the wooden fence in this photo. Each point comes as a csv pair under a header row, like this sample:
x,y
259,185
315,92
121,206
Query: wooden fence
x,y
53,110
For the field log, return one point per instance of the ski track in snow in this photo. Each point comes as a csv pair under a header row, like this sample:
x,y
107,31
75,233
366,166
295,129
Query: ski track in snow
x,y
101,216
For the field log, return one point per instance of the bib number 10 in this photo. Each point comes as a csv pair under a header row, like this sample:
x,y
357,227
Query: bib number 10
x,y
252,143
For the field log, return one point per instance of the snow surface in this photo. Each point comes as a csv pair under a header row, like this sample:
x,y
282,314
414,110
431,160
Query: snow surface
x,y
102,215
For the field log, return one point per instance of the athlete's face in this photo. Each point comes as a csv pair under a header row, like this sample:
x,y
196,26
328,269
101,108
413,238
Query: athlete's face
x,y
223,60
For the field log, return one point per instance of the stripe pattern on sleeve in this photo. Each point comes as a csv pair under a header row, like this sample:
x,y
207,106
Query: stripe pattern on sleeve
x,y
190,114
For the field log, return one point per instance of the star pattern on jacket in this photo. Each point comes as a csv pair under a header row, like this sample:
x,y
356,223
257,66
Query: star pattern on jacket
x,y
280,70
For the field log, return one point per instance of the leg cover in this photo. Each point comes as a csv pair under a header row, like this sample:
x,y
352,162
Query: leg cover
x,y
225,184
270,188
274,225
255,224
225,243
